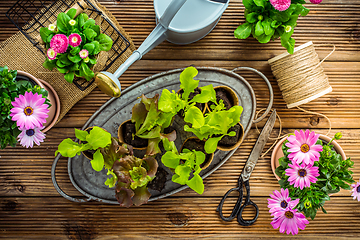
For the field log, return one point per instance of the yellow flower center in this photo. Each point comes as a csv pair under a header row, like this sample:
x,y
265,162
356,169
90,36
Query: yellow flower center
x,y
305,148
28,111
289,215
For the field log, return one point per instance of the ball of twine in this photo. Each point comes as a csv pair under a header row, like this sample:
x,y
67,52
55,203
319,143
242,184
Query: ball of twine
x,y
300,76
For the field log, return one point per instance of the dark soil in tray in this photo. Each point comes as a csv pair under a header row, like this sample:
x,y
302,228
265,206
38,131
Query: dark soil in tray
x,y
230,141
222,94
130,138
158,183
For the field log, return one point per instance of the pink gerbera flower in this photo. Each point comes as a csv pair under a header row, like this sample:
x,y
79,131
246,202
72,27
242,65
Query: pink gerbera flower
x,y
74,39
303,147
280,201
301,176
51,54
280,5
290,221
29,111
356,190
84,53
28,136
315,1
59,43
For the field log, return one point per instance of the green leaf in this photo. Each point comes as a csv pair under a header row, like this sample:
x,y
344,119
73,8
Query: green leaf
x,y
65,60
182,174
199,157
98,161
60,64
138,116
195,117
90,35
207,94
211,144
243,31
63,22
85,71
68,148
80,134
71,13
196,184
259,3
96,48
75,59
75,50
105,42
305,11
288,44
96,28
62,70
89,23
98,138
264,38
259,29
90,47
81,19
249,4
252,17
267,27
111,182
188,84
49,64
45,33
170,160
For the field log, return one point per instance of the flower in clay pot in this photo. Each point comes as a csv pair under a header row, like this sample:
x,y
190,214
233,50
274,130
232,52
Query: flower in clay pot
x,y
27,137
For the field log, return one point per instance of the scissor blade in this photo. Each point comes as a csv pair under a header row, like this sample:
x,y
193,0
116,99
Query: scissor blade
x,y
259,146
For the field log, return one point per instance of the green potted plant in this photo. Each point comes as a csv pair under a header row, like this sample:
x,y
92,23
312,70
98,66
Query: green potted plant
x,y
24,110
73,45
310,171
268,20
128,173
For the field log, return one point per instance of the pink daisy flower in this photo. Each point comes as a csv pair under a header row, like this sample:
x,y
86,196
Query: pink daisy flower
x,y
356,190
301,176
280,5
84,53
29,111
28,136
290,221
303,147
59,43
280,201
315,1
51,54
74,39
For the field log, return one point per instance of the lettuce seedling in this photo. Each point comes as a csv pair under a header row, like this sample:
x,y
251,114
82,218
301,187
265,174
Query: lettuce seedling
x,y
132,175
183,165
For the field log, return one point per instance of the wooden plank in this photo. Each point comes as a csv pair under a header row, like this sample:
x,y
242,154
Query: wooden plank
x,y
27,173
48,218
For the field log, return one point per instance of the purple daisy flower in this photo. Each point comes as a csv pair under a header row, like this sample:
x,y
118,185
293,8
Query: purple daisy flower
x,y
29,110
356,190
290,221
280,5
59,43
84,53
74,39
301,176
315,1
51,54
280,201
28,136
303,147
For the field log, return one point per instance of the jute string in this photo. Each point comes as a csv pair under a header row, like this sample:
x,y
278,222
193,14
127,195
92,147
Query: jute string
x,y
300,77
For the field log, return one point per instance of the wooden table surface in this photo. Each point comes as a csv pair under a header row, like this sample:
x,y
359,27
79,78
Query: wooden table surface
x,y
31,208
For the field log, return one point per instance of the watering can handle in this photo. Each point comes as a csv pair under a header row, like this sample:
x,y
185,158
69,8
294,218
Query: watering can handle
x,y
271,93
155,37
62,193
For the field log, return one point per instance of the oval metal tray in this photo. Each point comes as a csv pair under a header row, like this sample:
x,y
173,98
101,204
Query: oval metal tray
x,y
91,183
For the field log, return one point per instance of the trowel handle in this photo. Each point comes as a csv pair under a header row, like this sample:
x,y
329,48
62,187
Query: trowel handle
x,y
170,12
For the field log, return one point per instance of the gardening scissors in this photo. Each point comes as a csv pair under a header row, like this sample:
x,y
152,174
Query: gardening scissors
x,y
245,176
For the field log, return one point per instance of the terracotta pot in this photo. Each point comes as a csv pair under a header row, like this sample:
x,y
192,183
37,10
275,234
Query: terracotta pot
x,y
121,132
232,96
54,110
209,157
278,153
239,141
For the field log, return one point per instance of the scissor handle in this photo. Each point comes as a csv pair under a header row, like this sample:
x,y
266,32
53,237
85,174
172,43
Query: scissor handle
x,y
236,209
247,202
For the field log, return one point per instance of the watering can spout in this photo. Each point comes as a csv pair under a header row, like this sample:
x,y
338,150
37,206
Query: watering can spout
x,y
108,82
